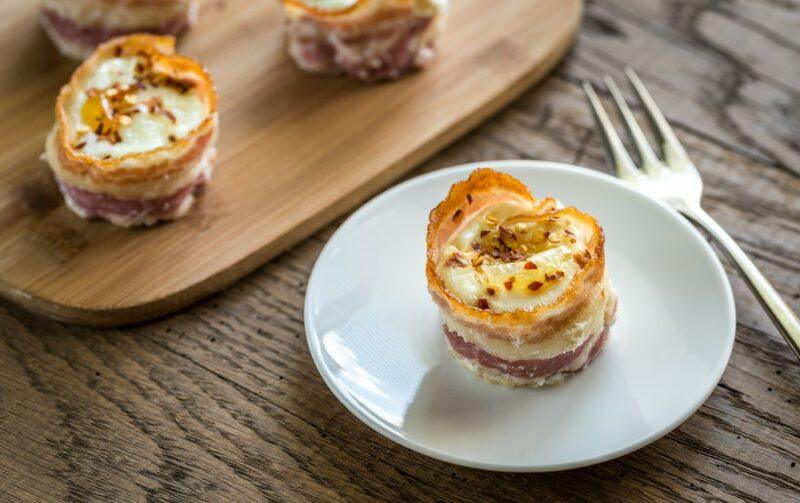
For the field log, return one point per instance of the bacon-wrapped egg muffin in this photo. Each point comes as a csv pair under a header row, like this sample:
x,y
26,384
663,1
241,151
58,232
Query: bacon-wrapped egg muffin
x,y
78,26
521,283
368,40
134,133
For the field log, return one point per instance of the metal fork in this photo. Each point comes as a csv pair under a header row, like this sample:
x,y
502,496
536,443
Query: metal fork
x,y
674,180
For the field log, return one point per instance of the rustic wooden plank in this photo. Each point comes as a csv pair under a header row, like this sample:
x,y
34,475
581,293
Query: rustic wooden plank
x,y
294,152
223,402
730,77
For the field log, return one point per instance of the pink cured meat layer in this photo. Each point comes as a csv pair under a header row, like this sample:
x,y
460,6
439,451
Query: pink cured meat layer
x,y
527,369
92,204
386,50
90,36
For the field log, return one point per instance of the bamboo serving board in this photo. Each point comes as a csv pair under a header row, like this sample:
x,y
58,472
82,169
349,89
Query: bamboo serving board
x,y
295,151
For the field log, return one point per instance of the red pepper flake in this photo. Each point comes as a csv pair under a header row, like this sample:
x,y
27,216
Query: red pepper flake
x,y
535,285
170,116
484,233
530,265
172,138
560,274
506,233
458,215
546,234
80,145
483,303
510,255
469,198
510,283
490,291
456,260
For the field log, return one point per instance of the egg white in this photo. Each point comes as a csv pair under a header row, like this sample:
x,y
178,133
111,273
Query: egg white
x,y
469,284
147,131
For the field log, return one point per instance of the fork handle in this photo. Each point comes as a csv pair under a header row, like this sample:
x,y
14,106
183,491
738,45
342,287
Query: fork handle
x,y
778,310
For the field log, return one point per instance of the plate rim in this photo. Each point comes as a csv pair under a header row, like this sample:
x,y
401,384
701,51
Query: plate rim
x,y
366,417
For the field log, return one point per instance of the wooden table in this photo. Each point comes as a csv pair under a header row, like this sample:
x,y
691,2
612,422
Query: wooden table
x,y
223,402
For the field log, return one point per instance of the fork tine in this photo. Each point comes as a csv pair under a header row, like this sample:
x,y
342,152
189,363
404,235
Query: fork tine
x,y
674,154
618,157
649,160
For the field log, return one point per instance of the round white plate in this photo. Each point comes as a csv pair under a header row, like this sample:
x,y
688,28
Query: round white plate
x,y
376,337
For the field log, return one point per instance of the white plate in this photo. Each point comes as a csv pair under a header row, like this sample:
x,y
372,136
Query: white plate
x,y
376,337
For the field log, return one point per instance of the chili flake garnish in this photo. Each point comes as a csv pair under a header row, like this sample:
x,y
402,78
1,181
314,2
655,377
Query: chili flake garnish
x,y
509,283
483,303
458,215
505,233
456,260
535,285
530,265
490,291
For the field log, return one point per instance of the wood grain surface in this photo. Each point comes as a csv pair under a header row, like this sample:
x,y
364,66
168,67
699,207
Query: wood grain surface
x,y
222,401
295,151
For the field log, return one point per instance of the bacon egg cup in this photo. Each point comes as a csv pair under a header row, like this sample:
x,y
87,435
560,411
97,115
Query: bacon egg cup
x,y
134,133
78,26
368,40
521,283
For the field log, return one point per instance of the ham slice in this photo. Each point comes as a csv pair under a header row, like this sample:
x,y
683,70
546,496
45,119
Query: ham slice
x,y
128,212
369,53
531,369
90,36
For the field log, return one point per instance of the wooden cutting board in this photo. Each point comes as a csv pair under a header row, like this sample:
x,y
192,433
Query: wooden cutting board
x,y
295,151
